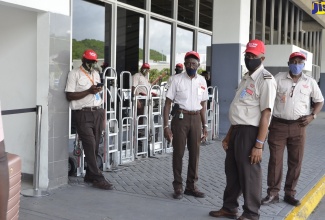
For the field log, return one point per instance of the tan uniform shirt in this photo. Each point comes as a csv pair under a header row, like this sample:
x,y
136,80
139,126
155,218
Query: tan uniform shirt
x,y
1,126
255,93
140,79
187,92
293,100
78,81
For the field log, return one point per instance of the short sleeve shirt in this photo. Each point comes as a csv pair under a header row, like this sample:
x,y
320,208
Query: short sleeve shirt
x,y
293,100
78,81
255,93
187,92
1,126
140,79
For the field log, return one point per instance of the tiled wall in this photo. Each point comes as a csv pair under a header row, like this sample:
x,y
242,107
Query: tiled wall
x,y
60,31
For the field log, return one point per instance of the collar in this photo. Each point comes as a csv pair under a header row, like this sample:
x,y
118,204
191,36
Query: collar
x,y
303,76
256,73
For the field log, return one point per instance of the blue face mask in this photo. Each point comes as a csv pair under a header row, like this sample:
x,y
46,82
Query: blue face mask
x,y
296,69
190,71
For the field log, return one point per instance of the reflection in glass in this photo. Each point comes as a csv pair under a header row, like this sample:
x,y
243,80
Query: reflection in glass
x,y
205,19
203,41
137,3
162,7
186,11
88,30
160,43
184,43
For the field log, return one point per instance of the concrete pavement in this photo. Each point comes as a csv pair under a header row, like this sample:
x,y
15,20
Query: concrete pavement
x,y
143,189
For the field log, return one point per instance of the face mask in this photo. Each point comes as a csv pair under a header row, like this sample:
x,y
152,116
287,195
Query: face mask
x,y
252,64
178,71
296,69
190,71
89,66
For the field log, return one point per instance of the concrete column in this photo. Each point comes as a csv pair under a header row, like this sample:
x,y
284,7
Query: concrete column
x,y
230,36
322,64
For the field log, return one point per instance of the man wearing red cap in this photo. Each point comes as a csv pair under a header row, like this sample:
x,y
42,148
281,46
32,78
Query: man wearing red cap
x,y
188,90
82,91
292,113
249,114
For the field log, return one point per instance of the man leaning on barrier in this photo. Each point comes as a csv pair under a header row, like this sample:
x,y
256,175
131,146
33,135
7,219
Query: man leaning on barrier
x,y
82,91
189,91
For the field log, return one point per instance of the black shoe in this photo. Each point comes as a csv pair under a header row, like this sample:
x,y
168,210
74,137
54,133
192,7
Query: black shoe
x,y
291,200
270,200
178,194
195,193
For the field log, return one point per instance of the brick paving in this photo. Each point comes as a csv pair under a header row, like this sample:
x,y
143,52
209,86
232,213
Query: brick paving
x,y
153,177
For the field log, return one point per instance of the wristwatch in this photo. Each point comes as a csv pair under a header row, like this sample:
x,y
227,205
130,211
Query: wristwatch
x,y
314,115
205,126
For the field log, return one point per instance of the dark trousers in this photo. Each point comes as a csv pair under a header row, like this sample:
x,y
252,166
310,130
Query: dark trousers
x,y
280,135
4,181
185,130
242,176
89,126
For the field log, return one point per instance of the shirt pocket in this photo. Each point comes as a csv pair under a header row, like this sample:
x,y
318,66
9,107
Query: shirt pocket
x,y
181,91
304,95
83,83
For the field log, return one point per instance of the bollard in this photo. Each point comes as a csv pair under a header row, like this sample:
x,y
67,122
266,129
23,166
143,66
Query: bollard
x,y
36,192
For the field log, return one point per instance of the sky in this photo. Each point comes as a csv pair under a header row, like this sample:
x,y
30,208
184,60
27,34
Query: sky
x,y
85,13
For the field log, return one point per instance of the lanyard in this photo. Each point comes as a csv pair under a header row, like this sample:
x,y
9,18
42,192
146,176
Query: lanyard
x,y
91,79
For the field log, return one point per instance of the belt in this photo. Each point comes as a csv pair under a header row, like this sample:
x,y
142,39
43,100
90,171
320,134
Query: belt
x,y
284,121
90,109
189,112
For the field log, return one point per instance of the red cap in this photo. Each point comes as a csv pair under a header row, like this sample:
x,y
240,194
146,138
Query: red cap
x,y
179,65
145,66
90,55
297,54
255,47
192,53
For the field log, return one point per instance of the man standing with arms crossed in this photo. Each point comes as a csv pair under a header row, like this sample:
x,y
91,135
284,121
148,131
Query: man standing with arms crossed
x,y
249,114
188,90
288,127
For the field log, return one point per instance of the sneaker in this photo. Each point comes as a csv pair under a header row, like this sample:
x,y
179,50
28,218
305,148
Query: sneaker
x,y
102,184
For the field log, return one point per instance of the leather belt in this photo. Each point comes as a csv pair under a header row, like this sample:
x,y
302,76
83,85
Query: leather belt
x,y
90,109
284,121
189,112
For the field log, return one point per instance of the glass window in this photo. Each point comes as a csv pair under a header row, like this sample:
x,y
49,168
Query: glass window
x,y
205,19
88,30
129,41
203,41
162,7
186,11
184,43
137,3
160,44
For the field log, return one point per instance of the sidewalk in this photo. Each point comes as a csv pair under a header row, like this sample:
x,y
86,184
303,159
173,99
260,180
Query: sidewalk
x,y
143,189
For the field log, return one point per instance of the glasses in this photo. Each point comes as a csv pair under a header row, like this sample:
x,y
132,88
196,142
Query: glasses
x,y
292,88
296,61
190,64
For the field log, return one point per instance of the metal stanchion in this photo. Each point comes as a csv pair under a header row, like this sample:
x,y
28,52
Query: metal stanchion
x,y
36,192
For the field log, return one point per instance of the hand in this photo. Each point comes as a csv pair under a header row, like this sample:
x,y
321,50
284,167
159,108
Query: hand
x,y
256,155
205,134
168,134
94,89
225,142
305,120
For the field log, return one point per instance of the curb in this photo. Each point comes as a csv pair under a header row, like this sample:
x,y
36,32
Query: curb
x,y
308,202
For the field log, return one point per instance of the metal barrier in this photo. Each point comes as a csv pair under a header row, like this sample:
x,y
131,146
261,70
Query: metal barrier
x,y
210,113
155,120
141,138
110,159
126,149
215,98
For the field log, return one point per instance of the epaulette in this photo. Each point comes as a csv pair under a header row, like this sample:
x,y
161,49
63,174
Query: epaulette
x,y
267,75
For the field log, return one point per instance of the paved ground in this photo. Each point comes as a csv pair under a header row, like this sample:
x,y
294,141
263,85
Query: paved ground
x,y
143,189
